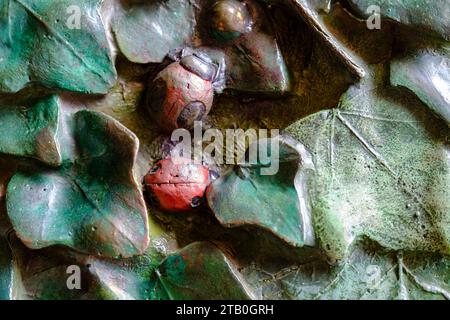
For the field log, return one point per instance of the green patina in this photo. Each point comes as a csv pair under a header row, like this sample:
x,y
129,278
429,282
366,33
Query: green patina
x,y
201,271
225,36
379,195
30,131
254,61
37,46
92,204
381,162
6,271
275,204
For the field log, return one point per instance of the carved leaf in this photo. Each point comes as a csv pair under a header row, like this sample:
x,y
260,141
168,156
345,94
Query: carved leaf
x,y
368,273
42,42
426,73
200,271
147,30
44,274
433,16
92,203
279,197
382,171
30,131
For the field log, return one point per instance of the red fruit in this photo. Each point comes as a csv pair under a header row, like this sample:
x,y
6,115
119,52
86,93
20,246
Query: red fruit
x,y
177,185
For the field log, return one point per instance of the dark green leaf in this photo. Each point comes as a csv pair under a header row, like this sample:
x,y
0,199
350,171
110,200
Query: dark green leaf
x,y
279,197
92,204
45,274
30,131
201,271
40,42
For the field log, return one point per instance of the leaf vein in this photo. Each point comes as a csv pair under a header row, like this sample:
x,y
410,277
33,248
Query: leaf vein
x,y
62,40
384,162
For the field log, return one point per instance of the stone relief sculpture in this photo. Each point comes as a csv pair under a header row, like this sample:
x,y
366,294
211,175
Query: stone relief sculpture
x,y
347,196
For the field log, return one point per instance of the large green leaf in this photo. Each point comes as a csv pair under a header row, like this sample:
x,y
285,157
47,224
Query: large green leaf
x,y
45,274
198,271
92,203
382,171
40,42
425,15
30,131
368,273
147,30
279,198
201,271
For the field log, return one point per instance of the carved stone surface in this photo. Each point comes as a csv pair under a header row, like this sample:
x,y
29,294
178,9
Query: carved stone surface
x,y
91,92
